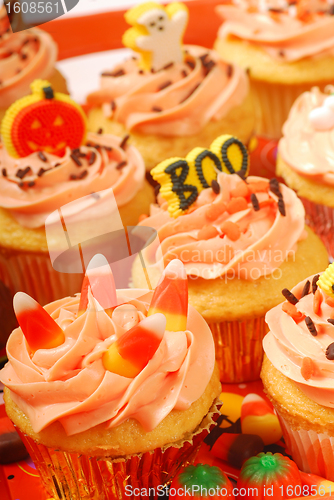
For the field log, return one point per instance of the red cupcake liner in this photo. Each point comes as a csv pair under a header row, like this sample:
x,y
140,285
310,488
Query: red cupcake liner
x,y
321,219
239,351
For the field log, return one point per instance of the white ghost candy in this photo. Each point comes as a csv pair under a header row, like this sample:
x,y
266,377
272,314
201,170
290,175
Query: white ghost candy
x,y
329,102
164,39
322,118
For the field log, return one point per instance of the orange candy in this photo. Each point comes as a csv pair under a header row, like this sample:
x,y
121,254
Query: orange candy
x,y
292,311
129,355
236,205
242,190
317,299
259,186
231,230
171,296
39,328
307,369
215,210
207,232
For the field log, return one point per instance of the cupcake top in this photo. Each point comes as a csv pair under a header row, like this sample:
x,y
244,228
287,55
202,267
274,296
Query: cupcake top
x,y
287,30
24,56
307,145
300,343
64,361
236,227
174,92
44,169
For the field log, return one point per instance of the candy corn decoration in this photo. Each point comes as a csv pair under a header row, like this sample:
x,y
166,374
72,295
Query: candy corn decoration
x,y
39,328
134,349
182,179
100,279
316,485
235,449
326,281
273,476
157,33
171,296
201,481
257,417
44,121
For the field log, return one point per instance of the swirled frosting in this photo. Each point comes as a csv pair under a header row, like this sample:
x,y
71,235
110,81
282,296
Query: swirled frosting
x,y
287,31
178,100
69,383
34,186
306,149
265,237
289,343
24,56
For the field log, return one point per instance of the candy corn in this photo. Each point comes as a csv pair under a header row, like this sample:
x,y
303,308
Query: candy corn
x,y
171,296
316,485
100,279
257,417
237,448
40,330
134,349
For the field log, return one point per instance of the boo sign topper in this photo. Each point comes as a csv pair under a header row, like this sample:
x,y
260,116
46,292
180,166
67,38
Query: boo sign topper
x,y
24,14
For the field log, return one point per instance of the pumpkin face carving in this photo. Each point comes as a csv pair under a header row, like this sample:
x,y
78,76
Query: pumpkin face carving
x,y
43,121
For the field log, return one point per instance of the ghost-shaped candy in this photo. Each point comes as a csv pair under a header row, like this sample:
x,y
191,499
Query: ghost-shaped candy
x,y
157,33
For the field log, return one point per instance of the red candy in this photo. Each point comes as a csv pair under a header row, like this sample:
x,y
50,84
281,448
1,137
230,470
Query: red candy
x,y
200,481
40,330
274,477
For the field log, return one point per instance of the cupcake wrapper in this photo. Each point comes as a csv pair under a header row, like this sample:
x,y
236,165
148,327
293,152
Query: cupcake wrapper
x,y
239,351
273,103
33,274
321,219
312,452
72,476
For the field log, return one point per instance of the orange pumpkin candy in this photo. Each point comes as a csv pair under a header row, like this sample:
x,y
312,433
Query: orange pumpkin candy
x,y
44,121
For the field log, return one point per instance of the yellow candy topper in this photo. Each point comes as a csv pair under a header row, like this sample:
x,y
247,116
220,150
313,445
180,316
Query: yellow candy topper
x,y
43,121
182,179
326,281
157,33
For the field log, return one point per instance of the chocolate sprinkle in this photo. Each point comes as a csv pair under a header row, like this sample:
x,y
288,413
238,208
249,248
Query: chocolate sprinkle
x,y
113,105
229,70
331,321
311,326
190,93
169,65
184,73
208,67
124,141
83,174
92,158
215,186
141,71
4,172
330,351
314,283
290,297
203,57
42,156
115,74
281,53
31,184
190,63
274,187
120,165
22,172
73,177
76,160
41,172
21,184
23,56
306,288
255,202
331,10
157,189
157,109
164,85
281,207
100,131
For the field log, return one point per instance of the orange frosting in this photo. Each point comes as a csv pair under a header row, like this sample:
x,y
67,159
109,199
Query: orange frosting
x,y
222,234
298,354
24,56
288,32
69,383
103,165
176,101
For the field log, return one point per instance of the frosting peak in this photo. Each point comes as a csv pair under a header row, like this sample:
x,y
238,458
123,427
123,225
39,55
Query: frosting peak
x,y
69,383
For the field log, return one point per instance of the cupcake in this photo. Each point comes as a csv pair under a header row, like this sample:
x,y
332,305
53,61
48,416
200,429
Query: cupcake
x,y
170,97
25,56
298,374
47,161
240,240
305,159
115,393
287,47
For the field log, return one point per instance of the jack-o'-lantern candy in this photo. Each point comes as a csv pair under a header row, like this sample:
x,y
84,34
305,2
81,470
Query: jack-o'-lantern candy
x,y
182,179
43,121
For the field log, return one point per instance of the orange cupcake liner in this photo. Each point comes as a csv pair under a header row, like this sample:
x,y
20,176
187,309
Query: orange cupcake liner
x,y
33,273
312,452
239,350
71,476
